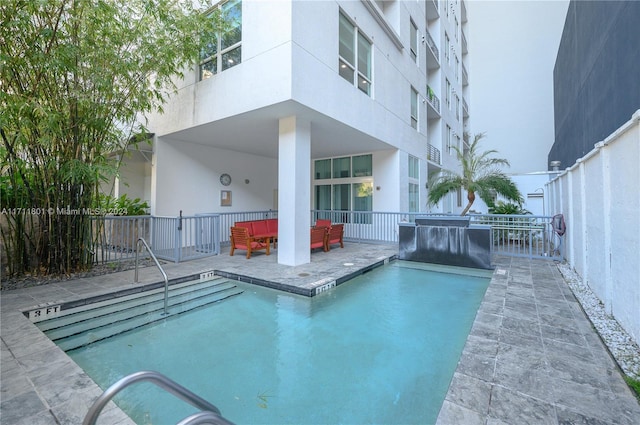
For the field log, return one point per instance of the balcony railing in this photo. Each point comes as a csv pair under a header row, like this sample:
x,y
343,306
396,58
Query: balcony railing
x,y
433,154
432,46
465,48
434,102
432,10
465,76
465,108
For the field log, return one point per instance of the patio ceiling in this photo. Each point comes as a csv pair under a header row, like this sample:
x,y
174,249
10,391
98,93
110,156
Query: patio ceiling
x,y
256,133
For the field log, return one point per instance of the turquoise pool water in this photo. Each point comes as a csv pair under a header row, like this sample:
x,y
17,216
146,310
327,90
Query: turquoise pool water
x,y
380,349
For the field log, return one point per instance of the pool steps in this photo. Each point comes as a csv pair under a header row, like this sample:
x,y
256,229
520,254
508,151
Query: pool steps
x,y
85,324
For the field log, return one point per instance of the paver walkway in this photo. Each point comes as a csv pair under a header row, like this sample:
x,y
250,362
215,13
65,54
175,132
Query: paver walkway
x,y
532,356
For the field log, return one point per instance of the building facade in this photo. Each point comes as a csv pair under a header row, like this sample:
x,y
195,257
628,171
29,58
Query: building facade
x,y
345,105
596,84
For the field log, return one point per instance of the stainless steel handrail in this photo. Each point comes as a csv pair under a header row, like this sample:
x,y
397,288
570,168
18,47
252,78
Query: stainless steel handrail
x,y
166,280
204,418
212,416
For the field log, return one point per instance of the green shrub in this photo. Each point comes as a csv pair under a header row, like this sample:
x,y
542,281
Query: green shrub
x,y
122,205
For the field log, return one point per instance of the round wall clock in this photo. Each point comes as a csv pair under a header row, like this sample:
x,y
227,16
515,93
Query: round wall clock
x,y
225,179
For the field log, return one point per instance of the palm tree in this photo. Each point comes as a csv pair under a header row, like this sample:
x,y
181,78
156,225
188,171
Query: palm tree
x,y
480,174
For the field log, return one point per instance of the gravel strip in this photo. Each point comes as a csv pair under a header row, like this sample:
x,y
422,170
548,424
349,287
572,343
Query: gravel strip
x,y
624,349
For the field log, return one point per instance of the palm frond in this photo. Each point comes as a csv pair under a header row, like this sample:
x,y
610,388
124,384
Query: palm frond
x,y
440,184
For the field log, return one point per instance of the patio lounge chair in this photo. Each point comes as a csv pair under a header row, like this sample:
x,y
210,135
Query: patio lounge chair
x,y
323,223
319,238
334,236
240,239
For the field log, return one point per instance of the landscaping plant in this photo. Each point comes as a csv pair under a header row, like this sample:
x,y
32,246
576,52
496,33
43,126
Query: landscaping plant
x,y
77,78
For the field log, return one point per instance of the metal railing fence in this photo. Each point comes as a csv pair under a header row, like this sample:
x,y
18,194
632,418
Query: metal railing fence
x,y
189,237
522,235
114,238
171,238
227,220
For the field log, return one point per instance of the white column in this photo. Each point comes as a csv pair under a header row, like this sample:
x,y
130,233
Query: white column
x,y
294,191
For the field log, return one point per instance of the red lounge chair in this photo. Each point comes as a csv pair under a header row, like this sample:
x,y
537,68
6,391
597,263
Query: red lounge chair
x,y
240,239
319,238
334,236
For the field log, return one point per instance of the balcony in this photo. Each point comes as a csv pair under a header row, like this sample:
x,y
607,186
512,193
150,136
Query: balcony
x,y
433,54
465,48
464,12
432,10
433,154
465,76
434,104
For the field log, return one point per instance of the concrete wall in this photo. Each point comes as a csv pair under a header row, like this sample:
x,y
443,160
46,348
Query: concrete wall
x,y
600,200
596,80
189,179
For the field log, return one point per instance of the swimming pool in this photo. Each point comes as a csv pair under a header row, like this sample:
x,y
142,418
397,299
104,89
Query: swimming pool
x,y
381,348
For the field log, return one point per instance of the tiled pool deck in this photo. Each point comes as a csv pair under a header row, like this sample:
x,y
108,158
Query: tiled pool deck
x,y
532,356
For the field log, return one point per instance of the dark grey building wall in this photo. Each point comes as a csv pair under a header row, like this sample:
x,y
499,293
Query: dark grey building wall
x,y
596,75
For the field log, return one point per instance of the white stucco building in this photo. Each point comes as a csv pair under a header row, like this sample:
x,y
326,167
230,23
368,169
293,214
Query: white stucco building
x,y
344,105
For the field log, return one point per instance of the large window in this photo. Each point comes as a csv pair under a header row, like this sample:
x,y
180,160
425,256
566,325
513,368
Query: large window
x,y
363,201
414,176
354,55
414,108
345,185
414,197
413,42
414,167
225,50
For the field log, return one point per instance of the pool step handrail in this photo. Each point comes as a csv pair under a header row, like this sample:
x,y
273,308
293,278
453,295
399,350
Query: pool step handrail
x,y
209,414
166,280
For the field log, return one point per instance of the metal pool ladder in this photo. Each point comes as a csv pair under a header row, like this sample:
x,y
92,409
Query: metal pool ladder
x,y
209,414
166,280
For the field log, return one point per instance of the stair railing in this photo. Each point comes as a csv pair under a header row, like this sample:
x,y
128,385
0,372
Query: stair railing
x,y
166,280
210,414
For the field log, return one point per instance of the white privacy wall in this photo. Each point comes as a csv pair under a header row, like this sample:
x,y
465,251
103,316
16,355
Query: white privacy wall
x,y
600,199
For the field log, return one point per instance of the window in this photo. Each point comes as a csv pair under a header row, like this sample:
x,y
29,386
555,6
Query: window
x,y
346,185
457,105
447,47
414,167
456,26
341,167
414,197
224,51
323,169
459,197
414,175
323,197
457,67
448,94
341,195
363,201
354,55
414,108
362,166
449,136
413,34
